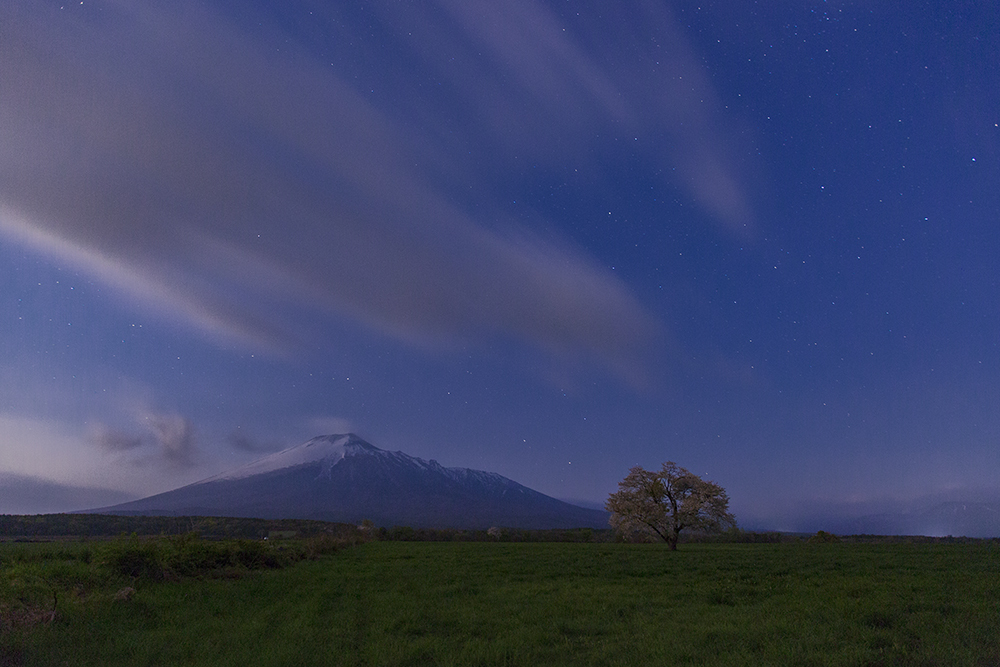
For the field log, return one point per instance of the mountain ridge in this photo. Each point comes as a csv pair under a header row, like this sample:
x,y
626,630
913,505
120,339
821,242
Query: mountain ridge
x,y
342,477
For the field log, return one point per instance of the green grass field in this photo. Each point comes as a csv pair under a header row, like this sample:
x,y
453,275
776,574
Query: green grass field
x,y
419,603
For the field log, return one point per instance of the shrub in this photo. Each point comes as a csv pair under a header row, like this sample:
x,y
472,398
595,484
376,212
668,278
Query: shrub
x,y
401,534
259,556
322,545
823,537
132,557
188,555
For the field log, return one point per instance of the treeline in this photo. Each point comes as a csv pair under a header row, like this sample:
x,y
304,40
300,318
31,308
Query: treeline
x,y
49,526
497,534
408,534
54,526
98,526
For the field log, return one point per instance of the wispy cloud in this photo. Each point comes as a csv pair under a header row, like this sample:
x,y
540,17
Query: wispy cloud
x,y
329,425
53,451
556,82
169,435
242,184
245,442
113,440
175,436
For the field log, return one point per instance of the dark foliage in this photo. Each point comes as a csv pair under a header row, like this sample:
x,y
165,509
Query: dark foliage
x,y
823,537
104,525
132,557
408,534
188,555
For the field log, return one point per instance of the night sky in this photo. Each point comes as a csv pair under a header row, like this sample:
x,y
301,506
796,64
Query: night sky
x,y
552,240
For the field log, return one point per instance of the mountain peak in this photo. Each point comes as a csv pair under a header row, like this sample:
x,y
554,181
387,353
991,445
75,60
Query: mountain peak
x,y
327,448
336,440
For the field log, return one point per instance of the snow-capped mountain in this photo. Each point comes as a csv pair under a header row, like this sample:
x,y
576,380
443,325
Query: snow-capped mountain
x,y
344,478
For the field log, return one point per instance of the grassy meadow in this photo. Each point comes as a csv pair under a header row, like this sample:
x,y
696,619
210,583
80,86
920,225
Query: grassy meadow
x,y
185,601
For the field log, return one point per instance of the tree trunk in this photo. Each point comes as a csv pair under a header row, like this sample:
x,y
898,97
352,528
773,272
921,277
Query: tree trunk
x,y
672,541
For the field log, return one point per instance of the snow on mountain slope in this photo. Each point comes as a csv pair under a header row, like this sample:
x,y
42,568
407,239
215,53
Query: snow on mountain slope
x,y
344,478
327,448
331,449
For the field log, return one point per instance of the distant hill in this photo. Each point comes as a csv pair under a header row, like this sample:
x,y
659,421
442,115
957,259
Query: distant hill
x,y
343,478
957,518
20,494
960,512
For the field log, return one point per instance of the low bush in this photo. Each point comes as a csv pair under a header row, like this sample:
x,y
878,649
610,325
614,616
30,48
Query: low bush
x,y
189,555
323,545
823,537
132,557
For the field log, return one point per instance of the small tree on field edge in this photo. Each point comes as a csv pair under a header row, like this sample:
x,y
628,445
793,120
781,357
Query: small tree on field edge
x,y
665,502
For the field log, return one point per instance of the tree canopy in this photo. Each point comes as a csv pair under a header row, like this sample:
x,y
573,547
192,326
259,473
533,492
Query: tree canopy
x,y
665,502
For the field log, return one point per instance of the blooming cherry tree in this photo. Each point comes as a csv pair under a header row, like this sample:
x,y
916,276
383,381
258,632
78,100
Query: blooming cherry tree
x,y
665,502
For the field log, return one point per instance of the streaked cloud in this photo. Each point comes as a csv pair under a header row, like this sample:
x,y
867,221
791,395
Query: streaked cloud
x,y
566,79
243,184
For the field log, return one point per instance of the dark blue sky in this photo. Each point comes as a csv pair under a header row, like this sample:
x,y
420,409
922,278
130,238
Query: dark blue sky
x,y
549,239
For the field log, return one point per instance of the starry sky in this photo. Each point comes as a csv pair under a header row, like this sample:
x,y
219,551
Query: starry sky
x,y
549,239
